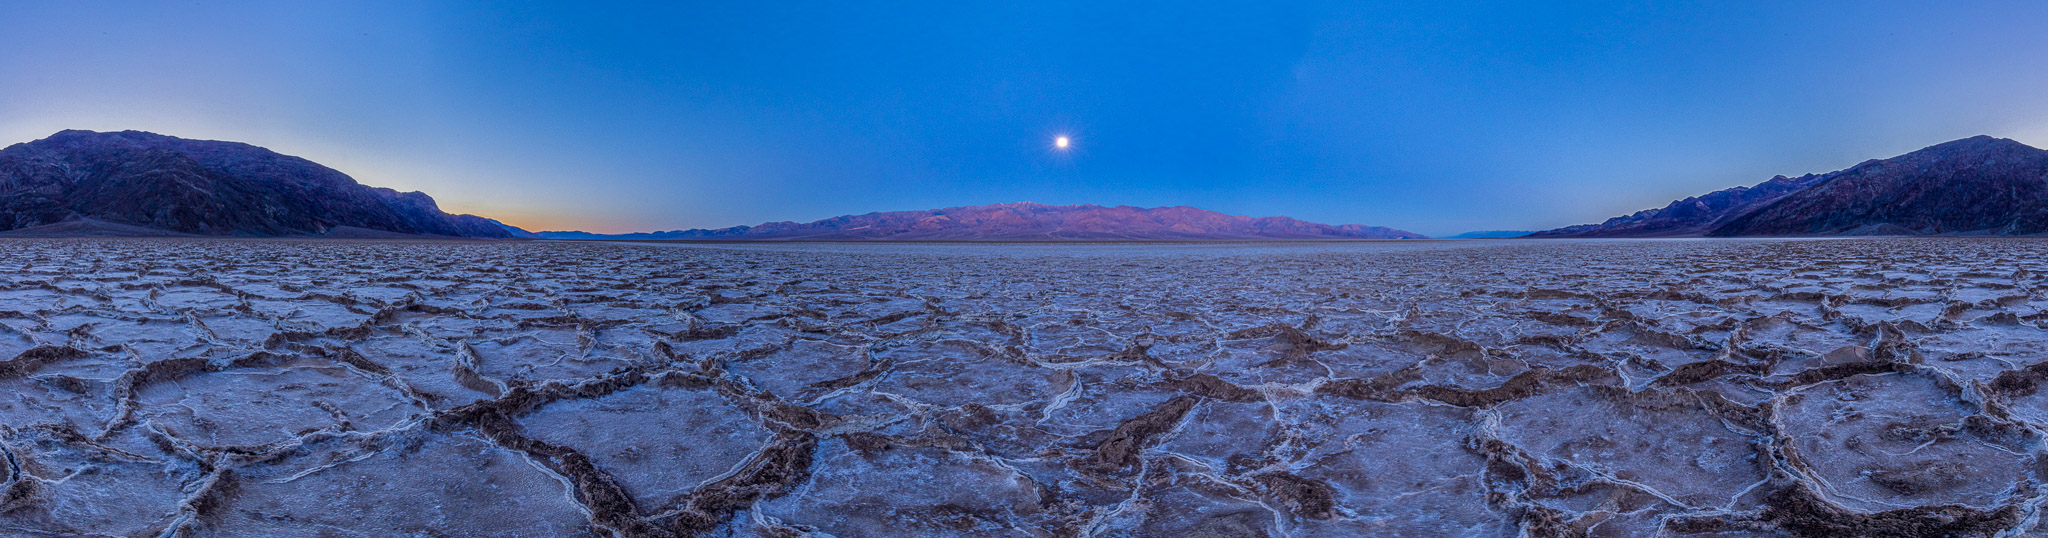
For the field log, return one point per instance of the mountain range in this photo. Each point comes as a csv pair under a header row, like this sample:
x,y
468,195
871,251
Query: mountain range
x,y
1023,221
1487,234
133,183
1974,186
138,183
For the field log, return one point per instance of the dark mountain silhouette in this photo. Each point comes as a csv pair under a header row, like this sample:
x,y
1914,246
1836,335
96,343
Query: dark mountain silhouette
x,y
122,182
1692,216
1977,185
1026,221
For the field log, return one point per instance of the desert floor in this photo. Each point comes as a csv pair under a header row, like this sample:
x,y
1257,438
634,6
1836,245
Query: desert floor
x,y
1882,387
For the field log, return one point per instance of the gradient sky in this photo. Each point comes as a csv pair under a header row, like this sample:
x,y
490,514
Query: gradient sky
x,y
1437,117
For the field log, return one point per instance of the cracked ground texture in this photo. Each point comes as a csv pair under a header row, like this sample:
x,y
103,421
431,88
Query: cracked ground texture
x,y
1870,387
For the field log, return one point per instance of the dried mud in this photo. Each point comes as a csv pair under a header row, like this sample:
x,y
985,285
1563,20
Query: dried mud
x,y
1871,387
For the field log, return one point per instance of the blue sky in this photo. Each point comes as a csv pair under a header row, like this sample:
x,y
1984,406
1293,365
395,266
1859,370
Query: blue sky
x,y
1437,117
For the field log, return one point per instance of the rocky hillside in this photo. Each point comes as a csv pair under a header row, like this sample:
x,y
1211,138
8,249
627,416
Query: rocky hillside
x,y
1026,221
152,181
1692,216
1978,185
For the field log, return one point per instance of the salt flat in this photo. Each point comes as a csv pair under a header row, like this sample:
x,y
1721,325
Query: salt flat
x,y
1867,387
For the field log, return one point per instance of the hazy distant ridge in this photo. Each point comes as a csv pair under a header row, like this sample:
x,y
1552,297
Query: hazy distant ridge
x,y
1025,221
1488,234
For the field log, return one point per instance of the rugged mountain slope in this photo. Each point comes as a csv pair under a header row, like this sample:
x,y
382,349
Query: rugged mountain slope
x,y
1692,216
1978,185
1026,221
203,187
1982,185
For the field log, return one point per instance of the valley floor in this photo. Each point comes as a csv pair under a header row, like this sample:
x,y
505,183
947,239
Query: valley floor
x,y
1866,387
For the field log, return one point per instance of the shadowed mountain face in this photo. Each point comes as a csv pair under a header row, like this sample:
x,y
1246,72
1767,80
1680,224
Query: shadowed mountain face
x,y
1978,185
203,187
1026,221
1692,216
1975,185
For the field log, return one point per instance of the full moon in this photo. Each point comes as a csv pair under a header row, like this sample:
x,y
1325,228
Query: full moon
x,y
1061,142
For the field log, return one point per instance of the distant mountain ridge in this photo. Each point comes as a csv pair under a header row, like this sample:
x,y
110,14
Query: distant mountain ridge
x,y
1488,234
1024,221
1977,185
131,181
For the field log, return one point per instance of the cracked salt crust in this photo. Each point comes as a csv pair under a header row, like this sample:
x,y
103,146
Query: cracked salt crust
x,y
1869,387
